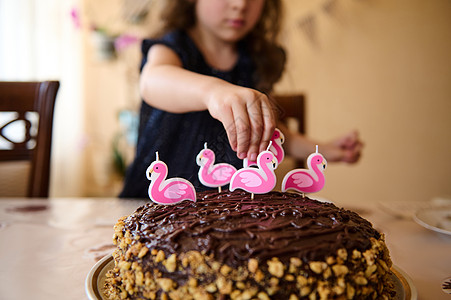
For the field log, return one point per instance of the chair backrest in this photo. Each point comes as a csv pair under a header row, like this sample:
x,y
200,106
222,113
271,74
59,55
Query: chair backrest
x,y
30,104
292,112
292,106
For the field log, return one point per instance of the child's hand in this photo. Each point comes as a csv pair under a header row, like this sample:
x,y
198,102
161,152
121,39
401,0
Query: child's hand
x,y
346,148
247,116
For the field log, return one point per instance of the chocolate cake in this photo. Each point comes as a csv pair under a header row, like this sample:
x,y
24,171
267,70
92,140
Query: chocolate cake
x,y
228,246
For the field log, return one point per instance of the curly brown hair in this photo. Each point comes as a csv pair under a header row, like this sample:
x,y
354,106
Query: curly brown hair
x,y
268,56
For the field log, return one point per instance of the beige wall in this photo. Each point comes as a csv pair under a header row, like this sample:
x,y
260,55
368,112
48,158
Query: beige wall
x,y
110,85
382,67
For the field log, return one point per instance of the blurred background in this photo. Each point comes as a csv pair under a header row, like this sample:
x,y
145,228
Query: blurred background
x,y
380,66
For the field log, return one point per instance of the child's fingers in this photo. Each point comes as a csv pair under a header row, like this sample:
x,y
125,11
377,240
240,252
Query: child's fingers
x,y
269,125
243,130
247,117
348,140
353,148
231,130
353,155
257,127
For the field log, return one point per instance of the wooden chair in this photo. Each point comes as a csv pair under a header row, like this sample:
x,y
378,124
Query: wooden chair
x,y
291,109
30,104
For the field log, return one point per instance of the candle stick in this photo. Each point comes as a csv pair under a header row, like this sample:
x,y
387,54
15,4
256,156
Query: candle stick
x,y
211,174
258,180
275,147
167,191
309,180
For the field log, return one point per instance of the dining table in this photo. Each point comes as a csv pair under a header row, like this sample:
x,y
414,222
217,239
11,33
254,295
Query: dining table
x,y
48,246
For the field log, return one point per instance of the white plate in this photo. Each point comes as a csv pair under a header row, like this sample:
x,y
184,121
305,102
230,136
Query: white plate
x,y
95,281
436,219
405,289
96,278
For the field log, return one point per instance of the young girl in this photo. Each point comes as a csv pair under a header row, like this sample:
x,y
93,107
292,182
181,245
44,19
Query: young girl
x,y
205,79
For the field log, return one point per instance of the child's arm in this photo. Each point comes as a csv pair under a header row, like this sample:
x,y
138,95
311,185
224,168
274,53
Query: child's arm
x,y
247,115
346,148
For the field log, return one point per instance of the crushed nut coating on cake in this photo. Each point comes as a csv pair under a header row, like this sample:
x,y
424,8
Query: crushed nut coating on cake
x,y
227,246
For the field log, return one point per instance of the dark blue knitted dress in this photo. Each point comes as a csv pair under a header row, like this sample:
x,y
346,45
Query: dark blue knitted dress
x,y
178,138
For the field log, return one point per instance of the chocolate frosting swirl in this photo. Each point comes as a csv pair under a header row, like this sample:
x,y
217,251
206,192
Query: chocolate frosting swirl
x,y
234,228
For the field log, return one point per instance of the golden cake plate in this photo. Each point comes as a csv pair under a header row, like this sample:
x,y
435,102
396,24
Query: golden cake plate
x,y
95,281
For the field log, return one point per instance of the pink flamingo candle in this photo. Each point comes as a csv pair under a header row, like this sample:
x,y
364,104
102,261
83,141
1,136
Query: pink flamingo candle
x,y
256,180
210,174
167,191
309,180
277,140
